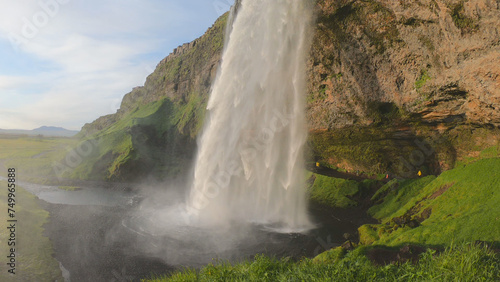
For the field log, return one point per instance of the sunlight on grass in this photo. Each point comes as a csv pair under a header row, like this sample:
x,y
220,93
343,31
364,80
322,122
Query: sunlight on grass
x,y
462,204
458,263
33,157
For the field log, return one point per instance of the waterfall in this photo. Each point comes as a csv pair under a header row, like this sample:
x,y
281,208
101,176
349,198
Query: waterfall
x,y
249,166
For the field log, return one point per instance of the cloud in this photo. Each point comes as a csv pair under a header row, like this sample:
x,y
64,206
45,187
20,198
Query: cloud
x,y
71,101
67,62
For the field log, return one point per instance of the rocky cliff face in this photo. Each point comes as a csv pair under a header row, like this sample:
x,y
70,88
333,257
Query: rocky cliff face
x,y
382,76
154,131
386,75
188,71
435,59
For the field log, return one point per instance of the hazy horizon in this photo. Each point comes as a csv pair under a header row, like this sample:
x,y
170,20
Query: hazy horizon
x,y
68,62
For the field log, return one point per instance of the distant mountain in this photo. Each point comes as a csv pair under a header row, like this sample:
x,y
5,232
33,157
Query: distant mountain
x,y
51,131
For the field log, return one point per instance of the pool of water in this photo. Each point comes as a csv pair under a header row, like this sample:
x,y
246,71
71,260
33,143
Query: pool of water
x,y
99,233
88,196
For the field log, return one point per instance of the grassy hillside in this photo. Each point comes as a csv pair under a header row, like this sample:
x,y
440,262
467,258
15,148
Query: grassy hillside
x,y
154,139
462,204
154,131
34,251
428,229
33,157
340,193
134,147
459,263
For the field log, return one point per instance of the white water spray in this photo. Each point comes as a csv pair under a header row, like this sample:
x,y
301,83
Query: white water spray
x,y
249,165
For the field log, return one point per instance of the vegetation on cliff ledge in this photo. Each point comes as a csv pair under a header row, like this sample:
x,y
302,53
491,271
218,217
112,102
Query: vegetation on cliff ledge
x,y
444,228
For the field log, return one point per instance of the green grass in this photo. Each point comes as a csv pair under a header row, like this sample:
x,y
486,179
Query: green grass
x,y
331,256
334,192
103,155
190,116
492,152
137,142
132,144
382,191
33,157
125,142
401,192
464,205
35,260
458,263
422,80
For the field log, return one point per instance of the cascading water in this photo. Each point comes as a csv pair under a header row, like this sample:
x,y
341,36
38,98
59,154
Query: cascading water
x,y
249,165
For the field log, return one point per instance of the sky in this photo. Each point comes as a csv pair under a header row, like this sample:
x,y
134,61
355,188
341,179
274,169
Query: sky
x,y
67,62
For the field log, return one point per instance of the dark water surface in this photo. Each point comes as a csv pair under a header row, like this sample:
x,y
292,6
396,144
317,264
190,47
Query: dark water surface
x,y
103,235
